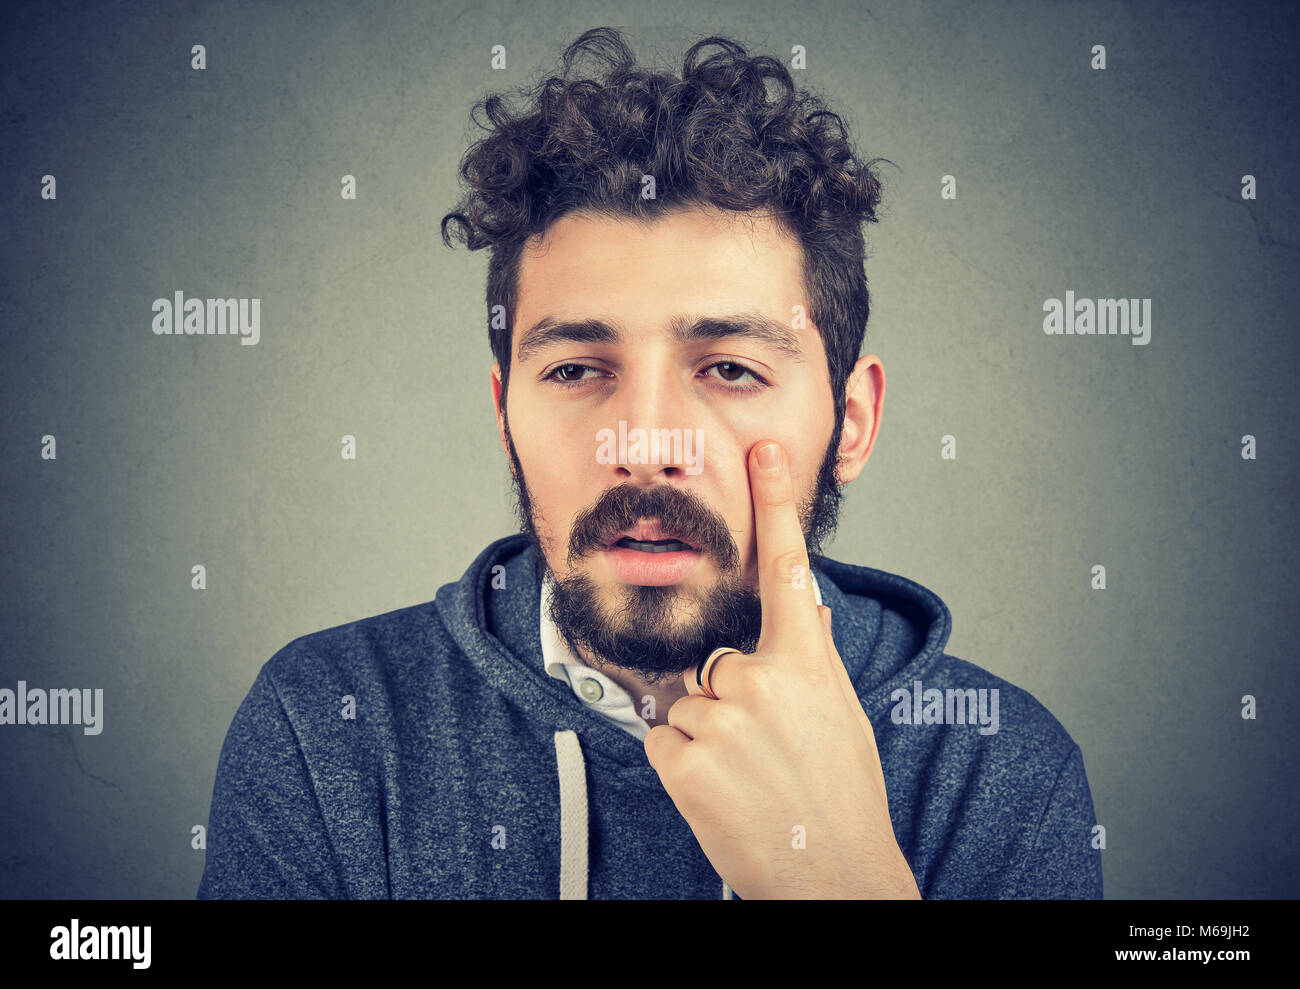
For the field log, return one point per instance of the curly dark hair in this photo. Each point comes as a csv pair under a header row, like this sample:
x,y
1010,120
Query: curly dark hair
x,y
711,137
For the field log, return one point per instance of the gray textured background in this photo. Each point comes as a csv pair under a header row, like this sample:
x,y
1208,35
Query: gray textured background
x,y
1071,451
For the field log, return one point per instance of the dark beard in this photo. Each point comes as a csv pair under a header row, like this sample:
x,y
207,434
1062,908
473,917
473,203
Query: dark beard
x,y
642,635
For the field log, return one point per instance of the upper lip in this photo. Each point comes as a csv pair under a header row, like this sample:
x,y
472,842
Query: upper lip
x,y
648,531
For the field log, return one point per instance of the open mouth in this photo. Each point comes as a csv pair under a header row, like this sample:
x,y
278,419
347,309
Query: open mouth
x,y
648,555
654,545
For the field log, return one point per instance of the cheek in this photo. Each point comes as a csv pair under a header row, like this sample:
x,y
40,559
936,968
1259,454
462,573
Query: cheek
x,y
565,478
545,443
557,473
803,435
802,426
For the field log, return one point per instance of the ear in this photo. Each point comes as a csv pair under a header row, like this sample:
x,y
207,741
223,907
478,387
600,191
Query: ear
x,y
496,405
864,399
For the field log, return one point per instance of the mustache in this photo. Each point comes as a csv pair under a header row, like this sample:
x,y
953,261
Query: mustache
x,y
679,511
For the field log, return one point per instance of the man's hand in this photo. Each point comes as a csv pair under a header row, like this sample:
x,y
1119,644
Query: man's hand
x,y
779,778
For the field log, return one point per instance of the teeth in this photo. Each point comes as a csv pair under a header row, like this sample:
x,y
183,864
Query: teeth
x,y
666,546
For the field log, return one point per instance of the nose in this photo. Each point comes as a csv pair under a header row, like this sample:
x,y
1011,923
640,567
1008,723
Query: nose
x,y
649,473
655,435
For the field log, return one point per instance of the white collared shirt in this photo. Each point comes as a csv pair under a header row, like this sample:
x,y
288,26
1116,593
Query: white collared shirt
x,y
591,686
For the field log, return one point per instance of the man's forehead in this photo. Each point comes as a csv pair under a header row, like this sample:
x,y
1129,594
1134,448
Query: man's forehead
x,y
662,276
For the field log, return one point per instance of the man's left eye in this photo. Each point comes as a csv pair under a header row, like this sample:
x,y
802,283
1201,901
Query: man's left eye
x,y
730,368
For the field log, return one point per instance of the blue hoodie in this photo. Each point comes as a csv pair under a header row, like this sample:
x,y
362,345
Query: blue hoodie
x,y
467,772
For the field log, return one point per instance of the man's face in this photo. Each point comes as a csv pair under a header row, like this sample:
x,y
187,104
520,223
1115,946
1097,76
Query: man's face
x,y
573,394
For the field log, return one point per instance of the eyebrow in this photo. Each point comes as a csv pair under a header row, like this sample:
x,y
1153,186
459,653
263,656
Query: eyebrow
x,y
752,325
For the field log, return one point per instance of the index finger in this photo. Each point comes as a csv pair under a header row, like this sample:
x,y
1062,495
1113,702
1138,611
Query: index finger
x,y
784,575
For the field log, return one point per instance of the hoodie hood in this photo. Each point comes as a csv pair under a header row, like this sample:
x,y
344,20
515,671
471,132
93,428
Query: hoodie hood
x,y
889,632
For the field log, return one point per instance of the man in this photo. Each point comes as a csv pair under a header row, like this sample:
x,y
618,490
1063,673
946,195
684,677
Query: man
x,y
661,688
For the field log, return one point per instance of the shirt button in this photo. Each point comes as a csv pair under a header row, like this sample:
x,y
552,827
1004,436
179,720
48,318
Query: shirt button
x,y
591,689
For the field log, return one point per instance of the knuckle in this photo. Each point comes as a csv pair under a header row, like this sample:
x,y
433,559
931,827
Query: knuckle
x,y
654,736
659,753
778,494
728,720
789,567
651,744
675,713
762,680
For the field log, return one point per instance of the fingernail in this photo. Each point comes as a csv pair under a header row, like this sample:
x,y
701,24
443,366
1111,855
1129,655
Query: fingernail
x,y
769,456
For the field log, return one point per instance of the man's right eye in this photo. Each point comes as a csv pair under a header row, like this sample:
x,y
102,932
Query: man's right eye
x,y
563,372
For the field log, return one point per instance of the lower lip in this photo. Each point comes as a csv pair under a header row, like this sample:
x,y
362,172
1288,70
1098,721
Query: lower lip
x,y
632,566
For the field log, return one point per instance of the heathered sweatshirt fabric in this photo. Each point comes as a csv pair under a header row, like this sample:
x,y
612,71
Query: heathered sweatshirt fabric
x,y
467,772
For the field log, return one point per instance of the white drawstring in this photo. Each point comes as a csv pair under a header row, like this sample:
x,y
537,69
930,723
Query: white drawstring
x,y
573,816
